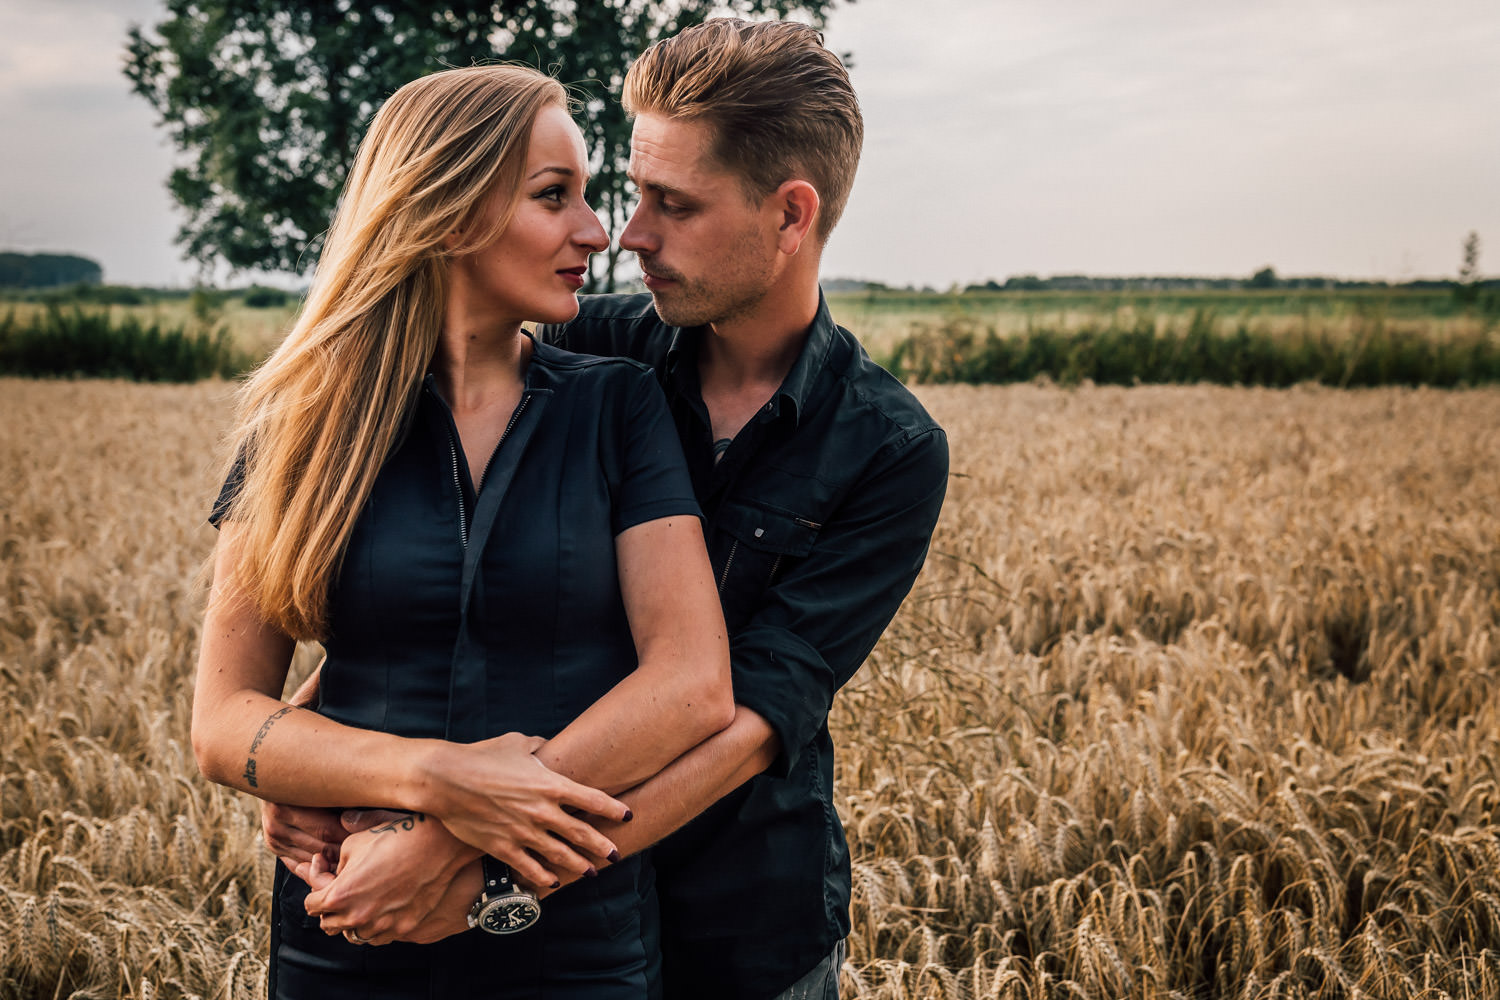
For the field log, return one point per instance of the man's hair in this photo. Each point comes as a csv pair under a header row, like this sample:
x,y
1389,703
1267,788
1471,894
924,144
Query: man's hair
x,y
778,104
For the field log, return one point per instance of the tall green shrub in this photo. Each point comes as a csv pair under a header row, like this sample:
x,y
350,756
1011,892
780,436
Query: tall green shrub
x,y
75,342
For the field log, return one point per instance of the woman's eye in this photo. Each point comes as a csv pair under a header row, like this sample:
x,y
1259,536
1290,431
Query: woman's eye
x,y
554,193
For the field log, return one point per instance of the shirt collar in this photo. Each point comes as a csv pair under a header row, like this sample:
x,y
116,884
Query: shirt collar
x,y
791,398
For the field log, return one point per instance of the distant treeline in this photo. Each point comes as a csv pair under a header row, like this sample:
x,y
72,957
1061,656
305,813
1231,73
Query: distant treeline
x,y
70,343
47,270
253,296
1265,278
1117,353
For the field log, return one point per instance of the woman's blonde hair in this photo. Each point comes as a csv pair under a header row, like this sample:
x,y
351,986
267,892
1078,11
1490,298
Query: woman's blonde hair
x,y
318,419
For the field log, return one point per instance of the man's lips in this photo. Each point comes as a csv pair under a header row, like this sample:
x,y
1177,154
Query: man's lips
x,y
654,279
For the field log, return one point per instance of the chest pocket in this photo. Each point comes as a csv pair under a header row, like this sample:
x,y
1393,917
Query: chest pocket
x,y
755,546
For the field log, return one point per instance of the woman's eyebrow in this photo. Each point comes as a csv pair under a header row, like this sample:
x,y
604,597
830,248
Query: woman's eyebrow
x,y
565,171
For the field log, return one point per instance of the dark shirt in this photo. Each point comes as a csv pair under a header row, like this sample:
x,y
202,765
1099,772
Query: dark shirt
x,y
466,613
818,517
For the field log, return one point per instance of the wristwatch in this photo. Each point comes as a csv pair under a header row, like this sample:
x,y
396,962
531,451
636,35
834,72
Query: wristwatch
x,y
503,907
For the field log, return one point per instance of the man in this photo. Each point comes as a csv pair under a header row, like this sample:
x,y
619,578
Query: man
x,y
819,475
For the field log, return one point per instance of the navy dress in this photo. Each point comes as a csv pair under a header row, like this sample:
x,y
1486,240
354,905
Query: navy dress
x,y
464,614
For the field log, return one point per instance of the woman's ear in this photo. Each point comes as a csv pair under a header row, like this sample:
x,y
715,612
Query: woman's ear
x,y
451,240
798,203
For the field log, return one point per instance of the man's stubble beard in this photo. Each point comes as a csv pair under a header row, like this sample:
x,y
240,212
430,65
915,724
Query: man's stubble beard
x,y
700,302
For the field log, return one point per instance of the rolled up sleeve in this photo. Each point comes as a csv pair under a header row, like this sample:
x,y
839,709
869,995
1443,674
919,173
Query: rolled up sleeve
x,y
817,624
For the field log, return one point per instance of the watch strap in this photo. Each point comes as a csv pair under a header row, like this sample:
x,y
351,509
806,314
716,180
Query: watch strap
x,y
497,876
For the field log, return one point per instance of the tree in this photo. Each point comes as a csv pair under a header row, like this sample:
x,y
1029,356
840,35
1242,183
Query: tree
x,y
1466,291
47,270
1264,278
267,99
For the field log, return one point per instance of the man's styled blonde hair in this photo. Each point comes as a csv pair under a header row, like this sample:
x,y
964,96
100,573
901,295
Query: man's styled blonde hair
x,y
318,419
778,103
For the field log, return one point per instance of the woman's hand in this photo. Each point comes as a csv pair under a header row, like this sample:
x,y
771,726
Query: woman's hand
x,y
296,833
496,796
390,878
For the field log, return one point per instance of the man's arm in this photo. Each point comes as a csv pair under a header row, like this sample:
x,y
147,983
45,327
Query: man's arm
x,y
813,628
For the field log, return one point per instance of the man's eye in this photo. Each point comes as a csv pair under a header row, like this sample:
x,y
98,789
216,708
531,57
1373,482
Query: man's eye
x,y
672,208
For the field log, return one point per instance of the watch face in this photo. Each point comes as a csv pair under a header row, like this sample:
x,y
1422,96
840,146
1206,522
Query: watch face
x,y
509,914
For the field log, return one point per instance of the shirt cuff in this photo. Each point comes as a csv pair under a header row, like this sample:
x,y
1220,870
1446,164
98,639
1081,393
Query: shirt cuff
x,y
785,681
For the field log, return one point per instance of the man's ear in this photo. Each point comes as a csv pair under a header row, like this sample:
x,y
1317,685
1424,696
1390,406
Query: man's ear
x,y
797,202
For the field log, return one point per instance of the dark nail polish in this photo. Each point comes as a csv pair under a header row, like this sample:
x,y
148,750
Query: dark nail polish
x,y
614,855
557,884
592,872
629,816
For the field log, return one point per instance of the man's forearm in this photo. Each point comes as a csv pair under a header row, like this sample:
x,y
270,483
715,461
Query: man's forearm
x,y
695,781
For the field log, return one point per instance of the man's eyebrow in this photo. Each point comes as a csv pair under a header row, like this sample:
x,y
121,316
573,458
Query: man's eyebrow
x,y
656,186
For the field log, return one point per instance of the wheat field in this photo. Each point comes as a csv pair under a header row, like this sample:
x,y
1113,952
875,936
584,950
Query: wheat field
x,y
1198,696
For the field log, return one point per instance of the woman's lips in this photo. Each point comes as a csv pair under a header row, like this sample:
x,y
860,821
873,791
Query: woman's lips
x,y
574,275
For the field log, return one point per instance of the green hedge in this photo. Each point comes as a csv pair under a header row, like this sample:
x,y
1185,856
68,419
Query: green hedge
x,y
1371,354
75,342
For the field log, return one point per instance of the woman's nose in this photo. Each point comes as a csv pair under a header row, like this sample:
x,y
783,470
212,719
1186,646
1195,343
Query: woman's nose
x,y
592,234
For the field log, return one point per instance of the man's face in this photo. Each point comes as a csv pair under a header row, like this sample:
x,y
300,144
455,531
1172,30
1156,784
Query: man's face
x,y
708,252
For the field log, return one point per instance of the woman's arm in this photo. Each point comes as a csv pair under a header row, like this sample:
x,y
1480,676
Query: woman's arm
x,y
677,697
680,693
246,738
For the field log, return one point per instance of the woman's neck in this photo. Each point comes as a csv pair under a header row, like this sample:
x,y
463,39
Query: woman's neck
x,y
474,364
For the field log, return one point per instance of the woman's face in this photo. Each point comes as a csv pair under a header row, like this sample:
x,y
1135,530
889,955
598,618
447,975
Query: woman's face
x,y
533,271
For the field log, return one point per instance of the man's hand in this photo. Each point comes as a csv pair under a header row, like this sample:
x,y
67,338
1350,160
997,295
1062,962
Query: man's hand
x,y
451,914
296,834
390,879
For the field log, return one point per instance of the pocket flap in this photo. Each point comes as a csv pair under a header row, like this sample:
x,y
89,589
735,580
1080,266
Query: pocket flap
x,y
769,529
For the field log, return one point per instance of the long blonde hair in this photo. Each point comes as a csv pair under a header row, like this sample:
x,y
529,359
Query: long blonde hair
x,y
318,419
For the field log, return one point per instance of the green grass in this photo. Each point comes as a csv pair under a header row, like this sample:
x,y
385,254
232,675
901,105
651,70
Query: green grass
x,y
1365,351
93,343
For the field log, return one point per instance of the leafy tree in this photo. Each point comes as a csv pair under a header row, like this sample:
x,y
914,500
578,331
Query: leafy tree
x,y
1264,278
267,99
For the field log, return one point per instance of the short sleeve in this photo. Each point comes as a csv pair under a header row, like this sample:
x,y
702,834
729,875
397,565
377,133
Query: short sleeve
x,y
229,491
651,475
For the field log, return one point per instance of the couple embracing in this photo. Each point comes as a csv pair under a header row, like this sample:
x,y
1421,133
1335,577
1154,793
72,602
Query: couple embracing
x,y
586,595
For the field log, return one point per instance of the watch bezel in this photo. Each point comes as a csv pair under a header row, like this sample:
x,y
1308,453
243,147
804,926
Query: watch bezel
x,y
501,895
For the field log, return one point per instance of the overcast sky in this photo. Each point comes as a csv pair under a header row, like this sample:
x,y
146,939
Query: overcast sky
x,y
1353,138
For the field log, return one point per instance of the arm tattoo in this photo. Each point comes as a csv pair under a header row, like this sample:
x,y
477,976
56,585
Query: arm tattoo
x,y
406,822
260,735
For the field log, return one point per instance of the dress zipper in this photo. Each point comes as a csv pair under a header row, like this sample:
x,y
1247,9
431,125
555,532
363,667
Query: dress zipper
x,y
458,486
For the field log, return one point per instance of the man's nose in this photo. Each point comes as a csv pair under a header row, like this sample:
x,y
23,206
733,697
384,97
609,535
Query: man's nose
x,y
636,236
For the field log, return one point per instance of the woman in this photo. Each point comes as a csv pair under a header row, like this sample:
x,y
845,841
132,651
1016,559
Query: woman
x,y
490,536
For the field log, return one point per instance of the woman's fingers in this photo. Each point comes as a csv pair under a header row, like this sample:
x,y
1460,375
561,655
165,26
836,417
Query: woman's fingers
x,y
590,800
526,867
585,841
299,832
359,820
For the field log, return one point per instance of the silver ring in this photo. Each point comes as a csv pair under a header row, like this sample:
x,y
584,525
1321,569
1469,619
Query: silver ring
x,y
354,938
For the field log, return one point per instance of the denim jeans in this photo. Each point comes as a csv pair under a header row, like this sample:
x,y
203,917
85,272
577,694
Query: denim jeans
x,y
822,983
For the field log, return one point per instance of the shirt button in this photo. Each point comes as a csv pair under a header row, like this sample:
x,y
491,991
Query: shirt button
x,y
759,532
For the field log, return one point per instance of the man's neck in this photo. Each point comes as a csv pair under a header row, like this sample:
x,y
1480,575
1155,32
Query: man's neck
x,y
759,348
